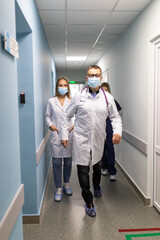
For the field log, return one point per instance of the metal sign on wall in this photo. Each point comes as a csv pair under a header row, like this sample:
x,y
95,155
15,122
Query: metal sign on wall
x,y
11,45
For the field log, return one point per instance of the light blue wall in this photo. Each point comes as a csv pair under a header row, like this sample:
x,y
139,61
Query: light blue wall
x,y
42,65
42,172
17,233
20,140
10,178
26,122
38,91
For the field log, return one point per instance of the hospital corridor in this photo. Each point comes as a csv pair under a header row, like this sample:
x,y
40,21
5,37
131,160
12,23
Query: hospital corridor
x,y
120,208
80,120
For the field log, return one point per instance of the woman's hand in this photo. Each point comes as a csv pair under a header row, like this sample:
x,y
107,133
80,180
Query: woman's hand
x,y
53,128
64,143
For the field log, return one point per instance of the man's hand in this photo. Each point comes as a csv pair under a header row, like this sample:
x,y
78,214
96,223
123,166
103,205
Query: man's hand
x,y
64,143
116,138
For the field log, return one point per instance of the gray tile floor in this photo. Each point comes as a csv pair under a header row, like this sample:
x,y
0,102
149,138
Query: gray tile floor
x,y
119,208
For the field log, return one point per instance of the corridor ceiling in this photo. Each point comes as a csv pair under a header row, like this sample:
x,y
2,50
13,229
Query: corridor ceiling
x,y
85,27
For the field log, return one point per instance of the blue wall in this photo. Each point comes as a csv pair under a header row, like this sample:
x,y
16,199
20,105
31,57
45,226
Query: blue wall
x,y
10,178
26,122
23,127
35,81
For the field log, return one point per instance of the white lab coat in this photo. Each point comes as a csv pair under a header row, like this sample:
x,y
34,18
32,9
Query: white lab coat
x,y
54,114
90,124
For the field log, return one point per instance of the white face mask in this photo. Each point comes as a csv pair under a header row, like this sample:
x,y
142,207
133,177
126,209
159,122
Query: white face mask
x,y
94,81
62,90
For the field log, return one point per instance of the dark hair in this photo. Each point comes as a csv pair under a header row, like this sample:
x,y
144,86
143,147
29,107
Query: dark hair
x,y
105,84
68,93
95,67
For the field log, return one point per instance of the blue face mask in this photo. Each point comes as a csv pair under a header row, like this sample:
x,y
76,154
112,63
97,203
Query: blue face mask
x,y
62,90
93,82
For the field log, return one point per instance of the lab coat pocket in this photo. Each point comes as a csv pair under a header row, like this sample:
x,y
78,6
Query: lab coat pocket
x,y
55,138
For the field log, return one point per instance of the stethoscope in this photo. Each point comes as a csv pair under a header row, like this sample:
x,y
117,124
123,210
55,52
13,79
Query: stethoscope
x,y
83,98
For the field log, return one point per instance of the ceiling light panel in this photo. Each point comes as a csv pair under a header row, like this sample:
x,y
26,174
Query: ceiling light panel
x,y
76,58
91,5
48,4
131,5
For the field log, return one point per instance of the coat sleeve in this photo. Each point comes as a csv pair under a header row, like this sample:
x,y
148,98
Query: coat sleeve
x,y
67,116
114,116
49,115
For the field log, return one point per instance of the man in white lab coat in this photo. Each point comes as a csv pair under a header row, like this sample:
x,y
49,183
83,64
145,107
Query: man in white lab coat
x,y
91,108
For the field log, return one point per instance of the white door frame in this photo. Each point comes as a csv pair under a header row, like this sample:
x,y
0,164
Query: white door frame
x,y
151,116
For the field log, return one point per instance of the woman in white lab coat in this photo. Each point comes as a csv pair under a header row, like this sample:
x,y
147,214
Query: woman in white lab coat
x,y
55,108
91,107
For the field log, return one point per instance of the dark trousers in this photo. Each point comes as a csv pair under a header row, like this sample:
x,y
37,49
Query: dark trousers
x,y
83,176
108,159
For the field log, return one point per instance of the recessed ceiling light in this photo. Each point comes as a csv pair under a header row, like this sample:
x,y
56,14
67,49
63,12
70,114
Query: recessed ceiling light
x,y
76,58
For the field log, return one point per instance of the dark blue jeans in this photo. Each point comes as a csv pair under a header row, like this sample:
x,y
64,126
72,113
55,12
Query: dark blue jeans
x,y
57,170
83,176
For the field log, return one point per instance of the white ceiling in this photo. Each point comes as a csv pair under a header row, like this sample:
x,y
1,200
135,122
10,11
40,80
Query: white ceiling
x,y
85,27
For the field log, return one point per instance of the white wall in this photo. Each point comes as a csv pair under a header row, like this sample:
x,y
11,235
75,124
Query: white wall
x,y
128,64
75,88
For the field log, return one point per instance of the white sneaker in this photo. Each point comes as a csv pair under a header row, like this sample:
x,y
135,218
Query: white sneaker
x,y
112,178
104,172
